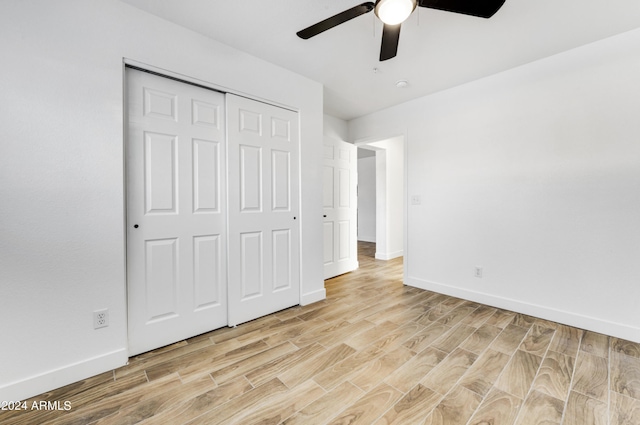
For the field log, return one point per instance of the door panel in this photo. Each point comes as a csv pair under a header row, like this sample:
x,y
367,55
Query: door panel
x,y
206,114
250,122
344,190
160,167
281,171
328,187
159,104
281,259
207,253
251,264
344,235
328,244
161,272
176,225
280,129
264,233
251,178
206,189
340,208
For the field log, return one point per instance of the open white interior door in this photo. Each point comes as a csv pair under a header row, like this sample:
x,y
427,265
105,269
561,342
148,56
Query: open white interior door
x,y
176,228
340,207
264,220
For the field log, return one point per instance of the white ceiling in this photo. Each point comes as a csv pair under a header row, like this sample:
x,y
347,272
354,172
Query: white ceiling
x,y
438,50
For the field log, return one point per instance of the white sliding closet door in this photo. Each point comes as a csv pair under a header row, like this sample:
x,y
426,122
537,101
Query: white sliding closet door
x,y
264,221
176,238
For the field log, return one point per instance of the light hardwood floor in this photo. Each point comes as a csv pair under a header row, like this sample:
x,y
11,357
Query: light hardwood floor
x,y
374,352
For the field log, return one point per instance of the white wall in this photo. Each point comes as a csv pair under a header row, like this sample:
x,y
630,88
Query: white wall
x,y
367,199
335,128
534,175
61,171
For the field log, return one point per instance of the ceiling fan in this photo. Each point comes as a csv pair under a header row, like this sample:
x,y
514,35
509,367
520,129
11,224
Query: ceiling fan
x,y
393,12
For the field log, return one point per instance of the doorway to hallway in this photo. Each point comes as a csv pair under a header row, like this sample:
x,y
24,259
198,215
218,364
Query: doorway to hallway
x,y
381,196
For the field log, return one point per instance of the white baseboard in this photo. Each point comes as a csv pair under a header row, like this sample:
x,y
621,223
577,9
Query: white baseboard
x,y
366,239
594,324
313,297
39,384
389,255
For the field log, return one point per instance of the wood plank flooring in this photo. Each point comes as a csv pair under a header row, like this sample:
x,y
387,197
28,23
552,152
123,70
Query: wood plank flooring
x,y
374,352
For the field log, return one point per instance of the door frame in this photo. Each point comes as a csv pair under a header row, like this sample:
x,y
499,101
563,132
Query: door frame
x,y
372,143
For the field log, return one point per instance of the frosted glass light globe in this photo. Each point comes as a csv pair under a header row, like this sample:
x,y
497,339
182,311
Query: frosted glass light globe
x,y
394,12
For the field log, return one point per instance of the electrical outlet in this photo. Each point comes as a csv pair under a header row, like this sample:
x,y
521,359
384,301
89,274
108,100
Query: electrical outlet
x,y
478,272
416,200
100,319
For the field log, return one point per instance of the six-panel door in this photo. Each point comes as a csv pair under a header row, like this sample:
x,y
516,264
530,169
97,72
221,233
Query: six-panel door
x,y
264,222
176,213
340,208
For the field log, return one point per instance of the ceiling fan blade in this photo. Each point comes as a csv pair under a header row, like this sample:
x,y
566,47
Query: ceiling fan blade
x,y
336,20
480,8
390,38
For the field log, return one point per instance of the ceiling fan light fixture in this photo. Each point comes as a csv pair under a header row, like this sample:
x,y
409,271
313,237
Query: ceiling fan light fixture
x,y
394,12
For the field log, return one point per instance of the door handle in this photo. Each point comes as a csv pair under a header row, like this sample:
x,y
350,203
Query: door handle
x,y
135,226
